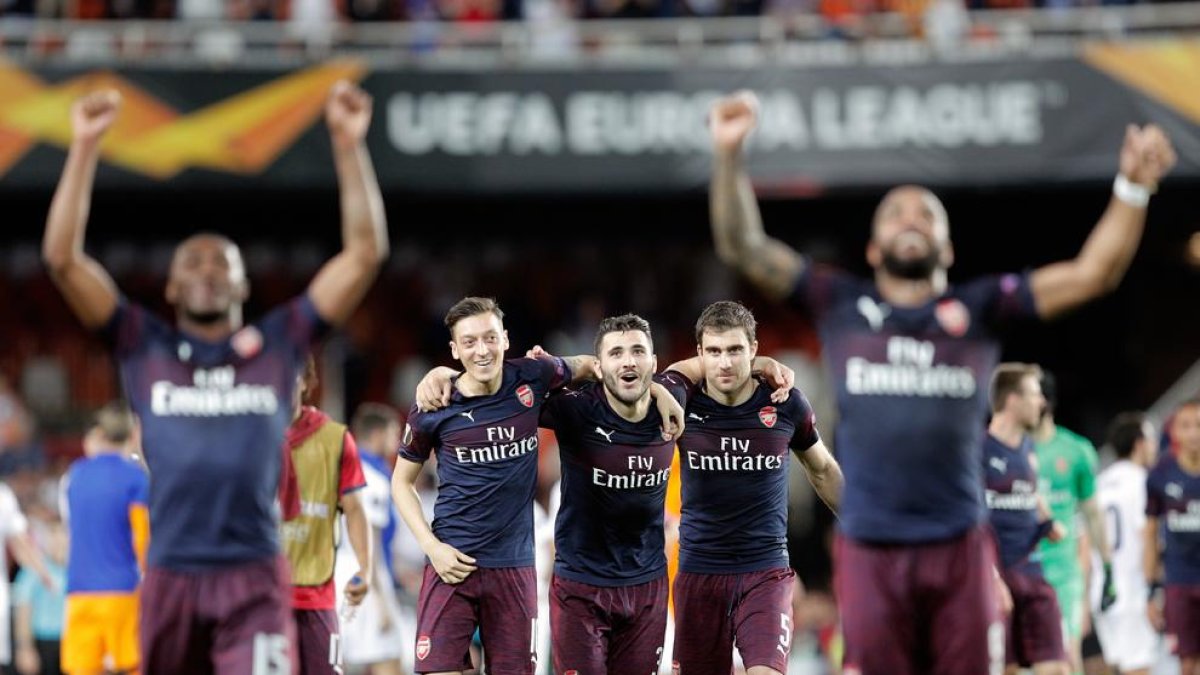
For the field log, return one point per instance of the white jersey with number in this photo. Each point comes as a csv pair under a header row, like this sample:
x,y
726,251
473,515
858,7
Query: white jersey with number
x,y
1125,633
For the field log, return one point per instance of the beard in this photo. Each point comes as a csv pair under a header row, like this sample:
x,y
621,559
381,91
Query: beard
x,y
913,269
613,384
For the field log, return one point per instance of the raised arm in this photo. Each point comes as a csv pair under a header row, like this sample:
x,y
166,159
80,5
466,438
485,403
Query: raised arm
x,y
87,287
1146,156
343,281
737,225
824,473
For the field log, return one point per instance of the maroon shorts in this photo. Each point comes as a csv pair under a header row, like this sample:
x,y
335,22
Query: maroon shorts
x,y
920,609
317,641
1183,619
1035,625
595,630
713,612
235,620
502,602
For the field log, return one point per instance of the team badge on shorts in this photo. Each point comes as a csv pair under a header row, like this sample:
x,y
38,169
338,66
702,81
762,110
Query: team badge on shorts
x,y
247,342
768,416
953,317
423,647
525,395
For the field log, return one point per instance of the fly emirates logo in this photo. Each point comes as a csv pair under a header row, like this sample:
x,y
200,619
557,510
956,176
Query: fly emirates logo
x,y
641,475
910,371
502,444
214,393
1187,521
735,456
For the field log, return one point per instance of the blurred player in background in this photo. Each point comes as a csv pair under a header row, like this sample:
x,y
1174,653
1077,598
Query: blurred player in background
x,y
329,477
1020,519
371,635
104,497
38,609
1129,641
1067,477
911,356
734,584
213,396
14,538
1173,512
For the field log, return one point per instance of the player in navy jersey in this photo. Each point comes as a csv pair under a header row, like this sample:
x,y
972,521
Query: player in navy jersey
x,y
1020,518
1172,538
212,395
910,356
480,547
608,598
734,584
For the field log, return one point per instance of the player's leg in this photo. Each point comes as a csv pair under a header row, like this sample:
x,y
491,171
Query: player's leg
x,y
508,620
763,619
874,586
447,615
83,636
172,639
579,627
317,641
250,607
703,623
636,643
957,577
1068,588
121,631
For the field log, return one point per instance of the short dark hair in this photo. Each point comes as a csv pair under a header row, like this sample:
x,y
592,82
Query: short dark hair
x,y
726,315
371,417
115,422
1125,431
621,324
1050,390
311,379
1006,380
470,306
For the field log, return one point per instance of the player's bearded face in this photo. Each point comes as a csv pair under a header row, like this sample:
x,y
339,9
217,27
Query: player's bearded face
x,y
627,365
207,279
911,234
727,357
1185,429
479,345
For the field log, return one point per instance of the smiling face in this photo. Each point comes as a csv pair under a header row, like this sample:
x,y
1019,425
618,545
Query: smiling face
x,y
910,234
626,364
479,342
207,279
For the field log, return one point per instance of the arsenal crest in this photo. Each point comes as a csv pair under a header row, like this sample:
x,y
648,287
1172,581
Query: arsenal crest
x,y
953,317
423,647
247,342
768,416
525,395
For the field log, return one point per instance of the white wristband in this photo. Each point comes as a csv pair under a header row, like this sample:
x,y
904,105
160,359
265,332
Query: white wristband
x,y
1131,193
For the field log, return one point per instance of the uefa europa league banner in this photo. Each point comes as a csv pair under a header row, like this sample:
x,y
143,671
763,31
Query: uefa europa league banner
x,y
620,131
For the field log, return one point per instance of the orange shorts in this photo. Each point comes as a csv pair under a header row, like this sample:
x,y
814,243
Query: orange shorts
x,y
100,633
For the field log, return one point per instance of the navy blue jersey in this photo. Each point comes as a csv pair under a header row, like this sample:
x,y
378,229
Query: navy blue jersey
x,y
487,452
1012,499
912,399
734,469
1173,496
609,530
213,418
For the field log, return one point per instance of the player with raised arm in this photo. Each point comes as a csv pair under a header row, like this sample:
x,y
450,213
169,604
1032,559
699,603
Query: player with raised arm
x,y
1020,519
213,396
735,585
911,355
1173,518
